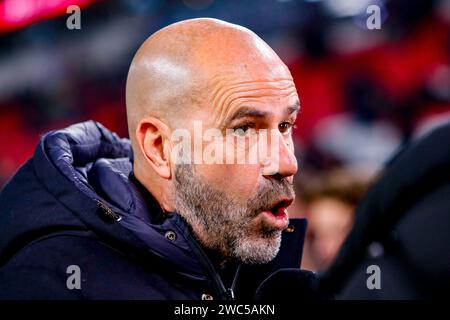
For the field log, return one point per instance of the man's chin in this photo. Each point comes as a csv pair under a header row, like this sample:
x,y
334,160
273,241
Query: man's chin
x,y
259,249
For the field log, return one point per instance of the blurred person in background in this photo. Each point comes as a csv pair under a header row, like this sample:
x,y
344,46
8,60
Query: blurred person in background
x,y
328,200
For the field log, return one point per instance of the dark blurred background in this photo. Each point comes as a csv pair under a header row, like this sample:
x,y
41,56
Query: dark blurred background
x,y
363,92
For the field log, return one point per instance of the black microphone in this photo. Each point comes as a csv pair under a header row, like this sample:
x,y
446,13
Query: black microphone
x,y
289,285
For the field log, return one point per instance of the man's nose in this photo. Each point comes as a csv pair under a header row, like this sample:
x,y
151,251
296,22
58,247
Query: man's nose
x,y
285,164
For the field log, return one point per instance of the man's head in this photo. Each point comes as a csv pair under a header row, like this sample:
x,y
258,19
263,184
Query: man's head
x,y
224,87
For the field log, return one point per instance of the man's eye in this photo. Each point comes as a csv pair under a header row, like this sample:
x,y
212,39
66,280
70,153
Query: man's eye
x,y
242,131
285,127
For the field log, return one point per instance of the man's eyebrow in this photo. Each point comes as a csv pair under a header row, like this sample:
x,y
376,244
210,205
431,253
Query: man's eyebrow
x,y
246,112
250,112
294,108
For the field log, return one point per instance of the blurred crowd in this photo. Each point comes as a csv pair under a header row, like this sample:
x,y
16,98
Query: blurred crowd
x,y
363,92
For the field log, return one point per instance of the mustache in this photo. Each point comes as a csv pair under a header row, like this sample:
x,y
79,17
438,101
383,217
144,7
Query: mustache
x,y
269,194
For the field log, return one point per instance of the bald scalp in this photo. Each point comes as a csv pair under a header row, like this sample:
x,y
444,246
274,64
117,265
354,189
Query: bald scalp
x,y
176,70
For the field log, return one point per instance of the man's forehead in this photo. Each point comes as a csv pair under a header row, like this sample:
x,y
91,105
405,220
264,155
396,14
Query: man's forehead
x,y
203,65
230,93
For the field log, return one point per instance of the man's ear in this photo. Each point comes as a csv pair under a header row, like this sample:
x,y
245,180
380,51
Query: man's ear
x,y
153,138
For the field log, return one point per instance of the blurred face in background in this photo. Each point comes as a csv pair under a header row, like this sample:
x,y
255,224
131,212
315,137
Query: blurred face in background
x,y
329,221
328,199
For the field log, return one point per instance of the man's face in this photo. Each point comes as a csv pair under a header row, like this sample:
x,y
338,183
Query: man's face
x,y
234,204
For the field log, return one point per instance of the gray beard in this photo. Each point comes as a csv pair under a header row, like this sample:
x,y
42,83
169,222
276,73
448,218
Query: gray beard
x,y
221,224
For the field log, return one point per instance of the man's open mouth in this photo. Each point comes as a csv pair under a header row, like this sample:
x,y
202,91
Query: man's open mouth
x,y
277,215
279,208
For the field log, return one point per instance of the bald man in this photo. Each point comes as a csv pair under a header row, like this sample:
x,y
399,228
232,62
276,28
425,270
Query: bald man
x,y
192,206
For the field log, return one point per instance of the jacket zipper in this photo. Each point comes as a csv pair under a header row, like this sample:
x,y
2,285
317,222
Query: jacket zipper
x,y
227,293
230,291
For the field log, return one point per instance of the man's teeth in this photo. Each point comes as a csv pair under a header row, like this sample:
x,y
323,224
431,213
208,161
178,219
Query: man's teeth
x,y
280,211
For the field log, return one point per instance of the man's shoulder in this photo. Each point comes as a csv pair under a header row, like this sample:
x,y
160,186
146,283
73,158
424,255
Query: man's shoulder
x,y
70,266
24,179
37,271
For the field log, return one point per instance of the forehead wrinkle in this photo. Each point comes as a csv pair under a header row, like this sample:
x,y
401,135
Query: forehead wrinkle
x,y
220,88
241,101
221,84
239,98
224,95
256,93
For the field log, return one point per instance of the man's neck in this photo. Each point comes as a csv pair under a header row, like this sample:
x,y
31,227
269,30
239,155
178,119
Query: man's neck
x,y
155,210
